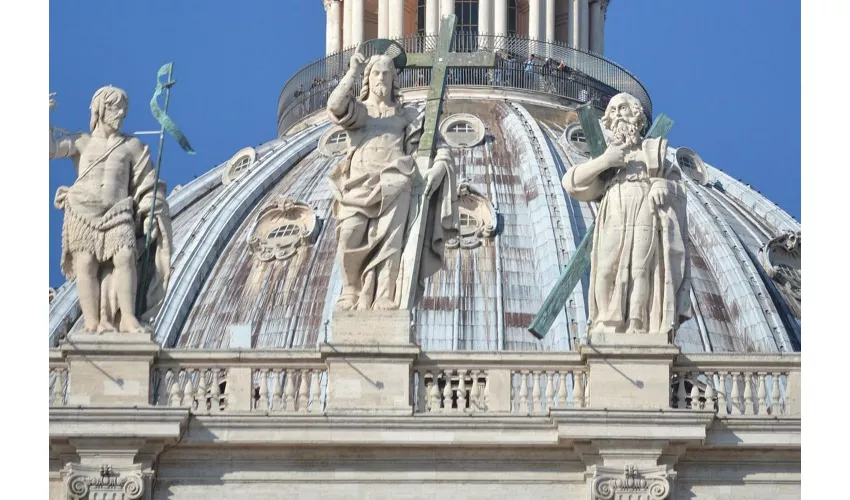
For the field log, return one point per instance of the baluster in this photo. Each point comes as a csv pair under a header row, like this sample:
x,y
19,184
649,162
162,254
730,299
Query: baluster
x,y
461,390
776,407
578,390
562,389
474,391
165,376
748,394
486,390
289,391
425,382
681,394
187,399
737,408
434,394
215,392
535,392
57,387
762,394
447,391
277,390
551,398
709,391
523,392
174,395
695,405
315,389
303,390
201,392
263,402
721,393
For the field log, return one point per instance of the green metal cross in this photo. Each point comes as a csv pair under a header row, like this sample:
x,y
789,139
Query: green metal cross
x,y
439,61
580,260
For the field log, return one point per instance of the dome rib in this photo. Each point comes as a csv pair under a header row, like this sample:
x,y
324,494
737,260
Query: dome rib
x,y
235,200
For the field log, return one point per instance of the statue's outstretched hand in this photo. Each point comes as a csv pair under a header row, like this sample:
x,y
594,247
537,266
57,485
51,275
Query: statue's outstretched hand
x,y
52,101
358,60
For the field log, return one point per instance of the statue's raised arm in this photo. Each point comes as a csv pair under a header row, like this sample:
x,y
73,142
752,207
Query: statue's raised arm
x,y
65,145
344,108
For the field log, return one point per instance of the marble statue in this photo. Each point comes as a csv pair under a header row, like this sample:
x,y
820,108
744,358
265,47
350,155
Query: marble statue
x,y
639,266
107,211
372,186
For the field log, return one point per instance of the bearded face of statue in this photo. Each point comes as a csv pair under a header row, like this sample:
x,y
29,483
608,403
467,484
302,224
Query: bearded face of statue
x,y
381,78
624,117
114,115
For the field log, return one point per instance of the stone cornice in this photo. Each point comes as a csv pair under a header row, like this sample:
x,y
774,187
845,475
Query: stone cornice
x,y
103,422
672,425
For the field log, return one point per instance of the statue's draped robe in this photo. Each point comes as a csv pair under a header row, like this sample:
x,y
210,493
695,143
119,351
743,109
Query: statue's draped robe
x,y
624,212
118,227
378,185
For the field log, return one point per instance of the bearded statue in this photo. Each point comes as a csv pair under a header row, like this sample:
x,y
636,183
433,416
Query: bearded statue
x,y
372,186
640,269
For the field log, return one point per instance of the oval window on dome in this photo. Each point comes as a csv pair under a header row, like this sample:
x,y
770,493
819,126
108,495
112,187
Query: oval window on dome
x,y
577,140
462,130
468,223
334,142
691,165
238,165
282,228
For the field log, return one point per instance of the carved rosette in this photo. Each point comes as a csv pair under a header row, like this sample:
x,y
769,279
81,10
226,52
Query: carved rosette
x,y
630,484
478,218
282,228
781,258
89,483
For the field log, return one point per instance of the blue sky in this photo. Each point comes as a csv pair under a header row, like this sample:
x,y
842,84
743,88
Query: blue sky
x,y
727,72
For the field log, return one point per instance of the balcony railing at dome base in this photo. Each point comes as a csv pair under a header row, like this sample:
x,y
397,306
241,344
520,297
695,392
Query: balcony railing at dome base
x,y
587,77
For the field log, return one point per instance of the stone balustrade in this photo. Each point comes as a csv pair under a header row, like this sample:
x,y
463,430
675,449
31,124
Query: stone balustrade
x,y
261,381
737,384
296,382
519,383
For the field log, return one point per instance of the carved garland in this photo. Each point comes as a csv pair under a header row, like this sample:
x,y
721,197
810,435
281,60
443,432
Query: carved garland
x,y
631,485
478,218
266,240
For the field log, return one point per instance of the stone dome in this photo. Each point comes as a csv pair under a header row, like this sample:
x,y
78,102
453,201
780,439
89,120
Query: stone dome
x,y
255,262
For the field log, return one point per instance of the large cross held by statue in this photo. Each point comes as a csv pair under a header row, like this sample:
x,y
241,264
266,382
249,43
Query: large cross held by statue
x,y
580,259
439,61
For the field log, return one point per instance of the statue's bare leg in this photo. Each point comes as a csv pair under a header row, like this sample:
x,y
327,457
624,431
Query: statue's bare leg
x,y
88,289
124,282
351,232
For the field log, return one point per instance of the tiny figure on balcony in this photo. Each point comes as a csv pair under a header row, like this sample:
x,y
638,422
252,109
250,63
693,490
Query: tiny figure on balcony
x,y
640,273
372,187
107,210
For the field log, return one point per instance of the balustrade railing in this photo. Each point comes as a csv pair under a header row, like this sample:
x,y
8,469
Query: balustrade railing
x,y
206,382
493,382
734,384
588,77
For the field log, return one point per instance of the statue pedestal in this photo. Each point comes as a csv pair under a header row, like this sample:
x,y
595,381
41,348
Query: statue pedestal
x,y
109,369
369,360
629,371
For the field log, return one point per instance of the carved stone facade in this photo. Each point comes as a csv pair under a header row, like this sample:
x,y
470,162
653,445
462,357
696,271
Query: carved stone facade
x,y
781,258
478,218
282,228
87,482
630,483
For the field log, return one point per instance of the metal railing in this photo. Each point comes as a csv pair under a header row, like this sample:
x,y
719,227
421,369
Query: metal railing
x,y
587,77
